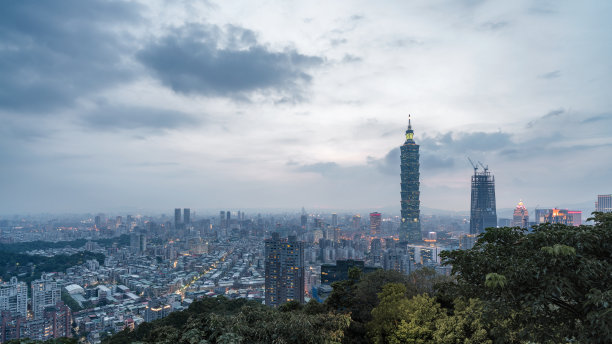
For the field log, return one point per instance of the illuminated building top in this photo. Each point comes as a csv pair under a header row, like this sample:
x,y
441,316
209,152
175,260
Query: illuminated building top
x,y
520,217
409,132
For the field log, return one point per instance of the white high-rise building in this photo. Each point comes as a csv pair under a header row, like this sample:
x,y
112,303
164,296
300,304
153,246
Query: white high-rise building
x,y
14,297
604,203
45,293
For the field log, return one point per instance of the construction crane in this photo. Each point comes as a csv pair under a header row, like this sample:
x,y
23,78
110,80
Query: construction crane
x,y
486,168
473,165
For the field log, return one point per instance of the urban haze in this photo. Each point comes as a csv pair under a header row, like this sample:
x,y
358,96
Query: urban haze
x,y
305,172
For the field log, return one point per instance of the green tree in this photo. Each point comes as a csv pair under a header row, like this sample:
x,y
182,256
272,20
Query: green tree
x,y
290,306
466,325
343,292
219,320
399,319
551,285
313,307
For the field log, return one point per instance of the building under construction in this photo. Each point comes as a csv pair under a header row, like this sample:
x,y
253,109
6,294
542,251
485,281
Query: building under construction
x,y
483,212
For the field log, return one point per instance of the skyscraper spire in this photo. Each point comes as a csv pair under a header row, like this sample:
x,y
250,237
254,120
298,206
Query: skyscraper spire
x,y
409,132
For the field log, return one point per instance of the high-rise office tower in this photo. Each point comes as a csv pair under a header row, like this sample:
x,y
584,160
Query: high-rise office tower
x,y
228,220
521,216
14,297
303,221
540,215
138,242
395,259
562,216
222,219
45,293
334,220
187,216
142,243
604,203
576,217
375,221
177,217
356,221
410,228
284,270
135,242
376,252
483,213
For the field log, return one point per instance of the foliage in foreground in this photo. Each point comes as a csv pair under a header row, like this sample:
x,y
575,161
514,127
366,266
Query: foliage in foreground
x,y
357,296
420,319
548,286
219,320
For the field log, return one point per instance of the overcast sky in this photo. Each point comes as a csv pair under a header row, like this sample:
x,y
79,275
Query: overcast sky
x,y
283,104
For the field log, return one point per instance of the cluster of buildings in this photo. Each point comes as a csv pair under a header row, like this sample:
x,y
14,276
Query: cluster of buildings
x,y
169,262
49,318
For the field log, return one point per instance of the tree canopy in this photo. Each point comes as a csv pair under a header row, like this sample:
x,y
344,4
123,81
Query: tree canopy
x,y
549,285
219,320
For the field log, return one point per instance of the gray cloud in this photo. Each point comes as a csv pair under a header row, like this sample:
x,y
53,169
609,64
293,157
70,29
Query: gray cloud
x,y
430,162
550,75
467,142
322,168
389,164
54,52
433,162
542,8
404,42
348,58
211,61
22,129
338,41
114,118
155,164
605,117
549,115
494,26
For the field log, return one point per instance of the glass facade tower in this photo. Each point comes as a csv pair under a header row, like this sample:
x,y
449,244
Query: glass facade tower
x,y
410,228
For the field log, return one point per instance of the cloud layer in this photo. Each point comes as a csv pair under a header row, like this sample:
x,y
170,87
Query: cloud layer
x,y
156,104
211,61
53,53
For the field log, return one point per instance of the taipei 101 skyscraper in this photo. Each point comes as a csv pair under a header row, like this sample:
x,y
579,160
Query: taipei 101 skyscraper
x,y
410,228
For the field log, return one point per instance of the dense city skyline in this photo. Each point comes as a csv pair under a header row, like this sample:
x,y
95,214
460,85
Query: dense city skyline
x,y
152,105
